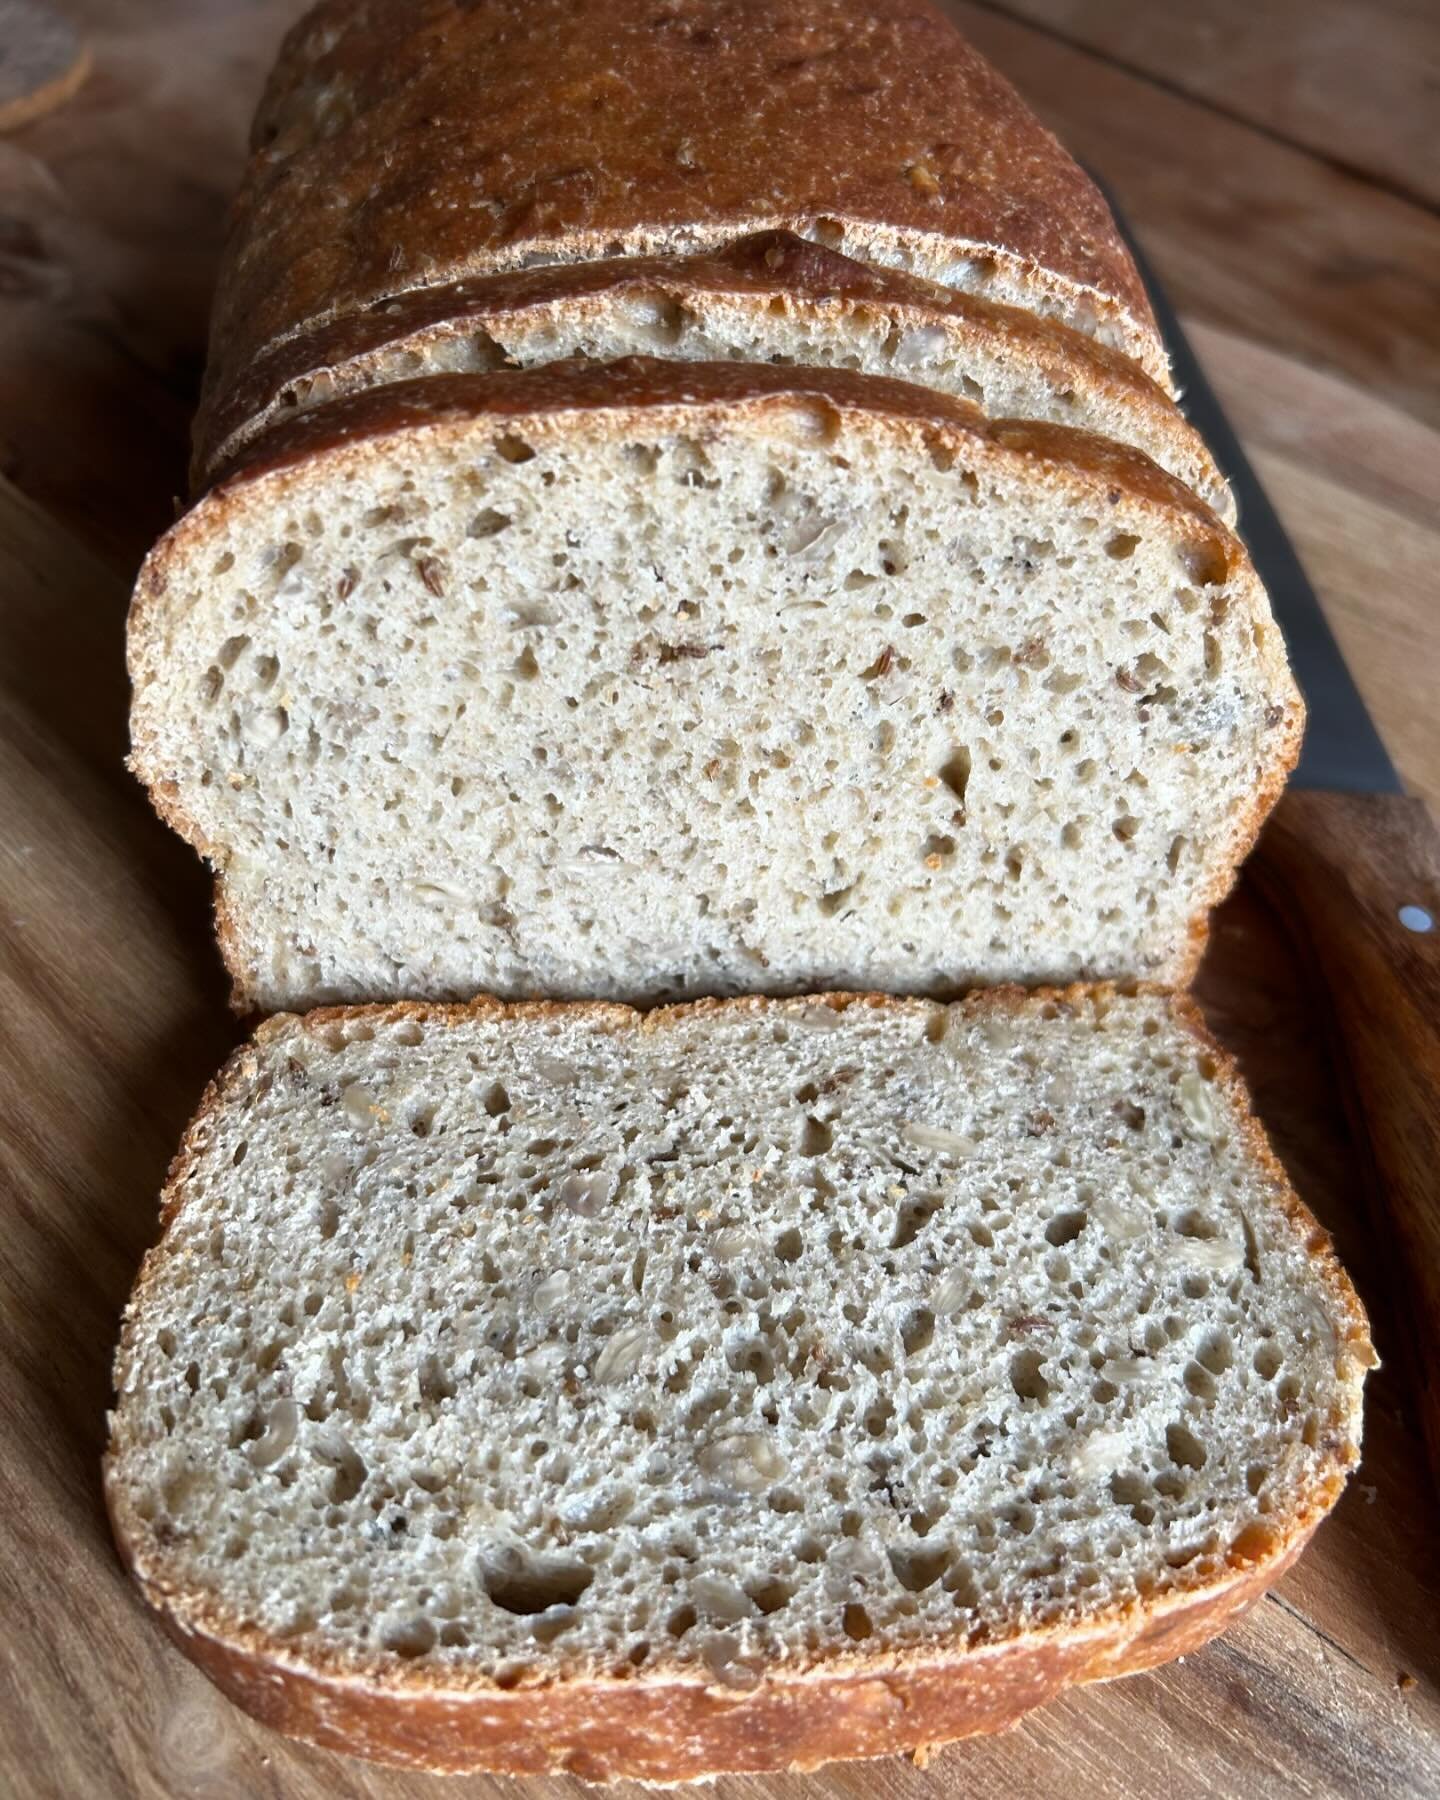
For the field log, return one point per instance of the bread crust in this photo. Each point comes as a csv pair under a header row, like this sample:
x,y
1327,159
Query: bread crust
x,y
637,129
660,1728
558,396
569,397
766,270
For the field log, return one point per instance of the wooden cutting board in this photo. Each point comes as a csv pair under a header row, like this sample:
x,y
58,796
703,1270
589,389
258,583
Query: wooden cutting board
x,y
112,1008
111,1018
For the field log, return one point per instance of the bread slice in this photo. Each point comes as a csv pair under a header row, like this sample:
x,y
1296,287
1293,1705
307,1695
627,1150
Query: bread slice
x,y
767,298
741,1386
404,144
650,679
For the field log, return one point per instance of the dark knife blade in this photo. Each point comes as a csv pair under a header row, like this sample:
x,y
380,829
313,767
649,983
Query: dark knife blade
x,y
1342,751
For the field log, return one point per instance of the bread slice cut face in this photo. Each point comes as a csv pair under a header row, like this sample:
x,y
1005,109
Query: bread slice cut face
x,y
652,679
738,1386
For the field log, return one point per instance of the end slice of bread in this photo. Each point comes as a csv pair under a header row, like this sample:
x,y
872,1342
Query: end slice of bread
x,y
648,680
771,297
740,1386
396,149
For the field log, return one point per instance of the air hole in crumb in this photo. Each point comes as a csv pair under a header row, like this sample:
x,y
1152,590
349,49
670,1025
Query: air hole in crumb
x,y
549,1625
434,1381
1065,1227
1133,1491
912,1219
789,1245
1026,1376
771,1595
1184,1448
1214,660
527,1586
917,1570
496,1100
955,773
815,1137
413,1637
1193,1224
514,449
1123,545
1206,564
1216,1353
918,1331
1199,1381
857,1622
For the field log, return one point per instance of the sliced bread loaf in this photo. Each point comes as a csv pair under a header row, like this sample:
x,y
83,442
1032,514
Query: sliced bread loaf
x,y
404,144
738,1387
767,298
647,679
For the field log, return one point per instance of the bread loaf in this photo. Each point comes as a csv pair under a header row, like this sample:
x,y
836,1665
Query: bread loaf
x,y
653,679
735,1388
767,298
408,144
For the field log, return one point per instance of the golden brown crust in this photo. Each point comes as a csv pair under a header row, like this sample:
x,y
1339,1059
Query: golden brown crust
x,y
677,1731
765,269
409,143
664,1728
559,395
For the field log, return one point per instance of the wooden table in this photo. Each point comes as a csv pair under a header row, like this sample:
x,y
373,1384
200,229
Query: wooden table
x,y
1282,166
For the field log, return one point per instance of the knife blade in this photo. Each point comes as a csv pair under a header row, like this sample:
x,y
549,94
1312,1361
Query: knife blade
x,y
1342,750
1352,866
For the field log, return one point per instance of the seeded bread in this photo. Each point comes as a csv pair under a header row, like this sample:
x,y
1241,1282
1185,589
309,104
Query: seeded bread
x,y
650,679
737,1387
404,144
767,298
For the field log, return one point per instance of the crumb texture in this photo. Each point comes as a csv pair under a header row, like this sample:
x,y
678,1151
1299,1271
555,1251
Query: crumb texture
x,y
704,699
732,1342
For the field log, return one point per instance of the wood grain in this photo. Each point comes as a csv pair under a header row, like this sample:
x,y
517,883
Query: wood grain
x,y
1314,295
1247,232
1352,85
1357,877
